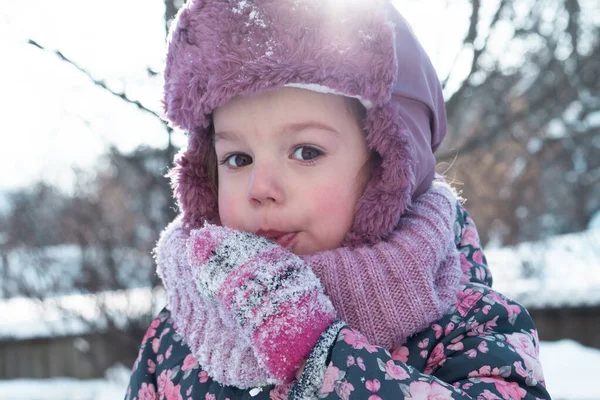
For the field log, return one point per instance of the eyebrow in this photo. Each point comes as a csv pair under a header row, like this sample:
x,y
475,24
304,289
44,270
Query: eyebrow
x,y
292,128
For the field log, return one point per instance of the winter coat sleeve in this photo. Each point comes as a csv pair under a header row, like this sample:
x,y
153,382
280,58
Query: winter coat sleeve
x,y
142,382
486,349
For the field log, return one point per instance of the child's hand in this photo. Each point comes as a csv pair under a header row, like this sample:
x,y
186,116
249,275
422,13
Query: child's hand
x,y
273,295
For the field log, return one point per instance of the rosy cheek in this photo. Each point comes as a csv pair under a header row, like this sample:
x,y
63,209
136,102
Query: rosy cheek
x,y
334,204
229,211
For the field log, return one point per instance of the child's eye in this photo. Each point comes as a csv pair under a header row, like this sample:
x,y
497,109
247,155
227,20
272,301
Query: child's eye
x,y
307,153
237,160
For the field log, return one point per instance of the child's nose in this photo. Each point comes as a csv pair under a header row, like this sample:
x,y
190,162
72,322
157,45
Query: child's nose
x,y
265,185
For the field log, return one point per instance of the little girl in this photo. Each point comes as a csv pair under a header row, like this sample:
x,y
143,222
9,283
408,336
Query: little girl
x,y
317,254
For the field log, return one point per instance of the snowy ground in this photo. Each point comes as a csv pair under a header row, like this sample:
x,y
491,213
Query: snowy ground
x,y
571,372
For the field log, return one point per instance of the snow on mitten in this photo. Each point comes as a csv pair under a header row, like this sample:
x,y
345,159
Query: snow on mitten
x,y
212,334
273,295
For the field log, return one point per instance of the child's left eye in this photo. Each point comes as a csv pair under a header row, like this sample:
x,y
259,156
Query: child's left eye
x,y
307,153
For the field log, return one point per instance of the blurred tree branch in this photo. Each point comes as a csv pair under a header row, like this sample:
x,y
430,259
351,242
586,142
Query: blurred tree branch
x,y
100,83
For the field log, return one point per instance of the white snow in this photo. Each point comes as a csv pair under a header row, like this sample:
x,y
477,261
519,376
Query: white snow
x,y
324,89
26,318
560,271
595,221
110,388
570,370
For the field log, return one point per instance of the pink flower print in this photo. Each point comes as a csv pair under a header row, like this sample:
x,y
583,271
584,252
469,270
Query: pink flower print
x,y
424,353
151,331
520,370
459,346
357,341
487,395
449,328
189,363
420,390
508,390
332,374
155,345
164,332
189,391
162,380
210,396
472,353
361,363
483,371
203,376
172,391
467,299
436,359
486,309
512,309
151,367
168,352
373,386
478,257
483,347
374,397
485,328
459,338
160,358
526,349
350,361
423,343
438,330
400,354
280,392
469,237
395,371
344,389
465,265
486,370
480,273
147,392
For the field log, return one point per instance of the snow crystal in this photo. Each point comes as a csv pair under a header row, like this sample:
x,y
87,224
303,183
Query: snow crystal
x,y
324,89
242,5
254,16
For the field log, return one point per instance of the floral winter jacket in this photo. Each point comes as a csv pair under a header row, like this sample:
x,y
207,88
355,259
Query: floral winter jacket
x,y
485,347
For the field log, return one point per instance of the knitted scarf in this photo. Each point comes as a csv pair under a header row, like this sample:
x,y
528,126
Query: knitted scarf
x,y
388,291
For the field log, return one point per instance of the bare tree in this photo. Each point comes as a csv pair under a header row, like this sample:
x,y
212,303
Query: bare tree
x,y
526,131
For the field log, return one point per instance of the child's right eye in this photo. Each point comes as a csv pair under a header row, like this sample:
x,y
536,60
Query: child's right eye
x,y
237,160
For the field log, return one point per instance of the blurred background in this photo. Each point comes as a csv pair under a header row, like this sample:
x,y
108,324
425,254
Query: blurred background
x,y
83,199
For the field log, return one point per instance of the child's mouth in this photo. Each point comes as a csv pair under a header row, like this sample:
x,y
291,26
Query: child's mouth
x,y
284,239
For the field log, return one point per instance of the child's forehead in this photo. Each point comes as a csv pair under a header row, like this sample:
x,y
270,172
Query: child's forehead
x,y
286,106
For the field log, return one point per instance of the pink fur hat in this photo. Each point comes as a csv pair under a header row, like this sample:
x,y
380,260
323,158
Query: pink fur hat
x,y
219,49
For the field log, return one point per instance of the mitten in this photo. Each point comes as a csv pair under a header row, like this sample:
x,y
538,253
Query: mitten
x,y
273,295
212,335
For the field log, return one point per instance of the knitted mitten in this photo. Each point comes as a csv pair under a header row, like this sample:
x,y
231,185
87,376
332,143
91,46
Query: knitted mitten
x,y
209,330
273,295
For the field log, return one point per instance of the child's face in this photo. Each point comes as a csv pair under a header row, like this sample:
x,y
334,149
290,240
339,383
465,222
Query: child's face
x,y
291,161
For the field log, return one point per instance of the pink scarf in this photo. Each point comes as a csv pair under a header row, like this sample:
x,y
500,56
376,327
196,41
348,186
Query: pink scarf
x,y
388,291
